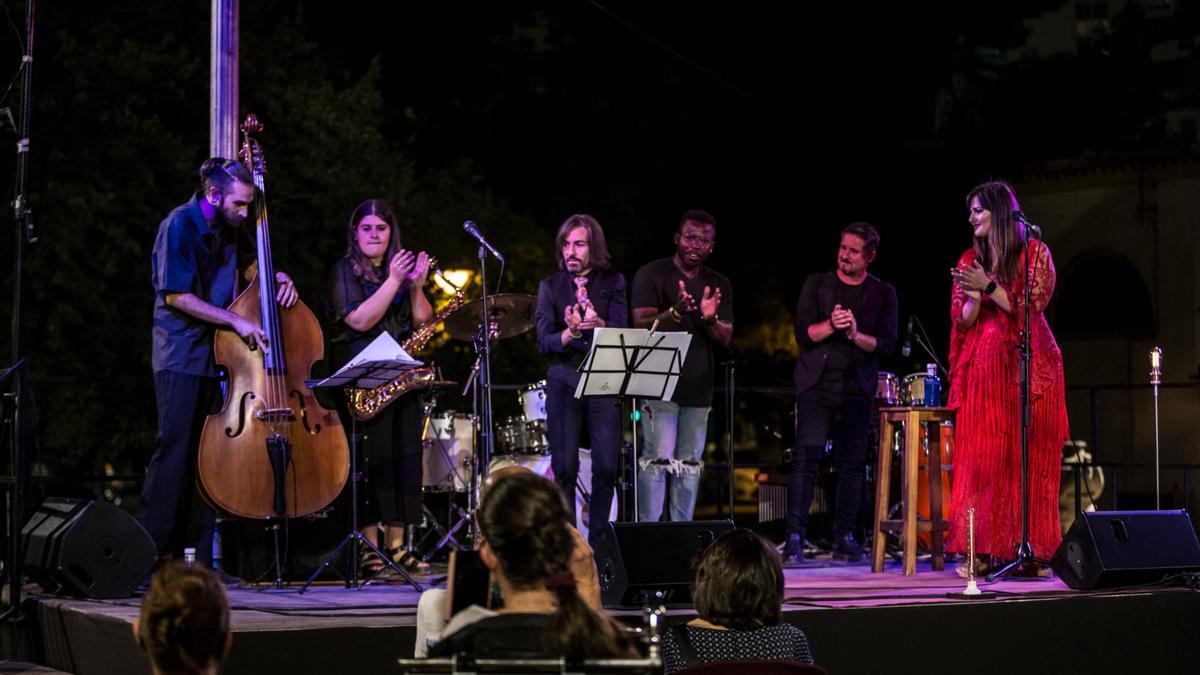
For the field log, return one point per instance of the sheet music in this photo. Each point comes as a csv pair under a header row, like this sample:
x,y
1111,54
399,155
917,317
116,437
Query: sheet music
x,y
379,363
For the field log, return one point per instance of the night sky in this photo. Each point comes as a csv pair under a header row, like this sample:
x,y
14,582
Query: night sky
x,y
787,121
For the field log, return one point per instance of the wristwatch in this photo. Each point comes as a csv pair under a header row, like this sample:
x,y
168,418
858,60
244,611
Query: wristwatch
x,y
990,288
709,320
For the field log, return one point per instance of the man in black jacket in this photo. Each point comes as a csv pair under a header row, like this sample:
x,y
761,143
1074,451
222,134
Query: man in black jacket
x,y
845,320
584,294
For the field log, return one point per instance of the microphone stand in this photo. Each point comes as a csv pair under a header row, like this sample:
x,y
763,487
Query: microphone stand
x,y
925,344
1025,554
483,382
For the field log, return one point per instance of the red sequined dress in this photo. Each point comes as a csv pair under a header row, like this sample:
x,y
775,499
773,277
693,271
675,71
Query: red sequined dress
x,y
985,392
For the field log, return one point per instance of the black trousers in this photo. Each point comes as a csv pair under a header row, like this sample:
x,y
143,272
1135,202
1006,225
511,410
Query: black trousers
x,y
565,415
846,415
171,508
390,455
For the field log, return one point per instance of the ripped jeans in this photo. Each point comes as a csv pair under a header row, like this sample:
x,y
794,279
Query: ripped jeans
x,y
674,451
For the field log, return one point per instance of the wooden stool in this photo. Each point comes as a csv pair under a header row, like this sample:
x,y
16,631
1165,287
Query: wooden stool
x,y
911,418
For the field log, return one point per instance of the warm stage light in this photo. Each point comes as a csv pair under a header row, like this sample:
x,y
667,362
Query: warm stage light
x,y
458,278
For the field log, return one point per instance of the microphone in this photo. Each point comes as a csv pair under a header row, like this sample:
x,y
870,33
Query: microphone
x,y
906,348
472,230
1033,230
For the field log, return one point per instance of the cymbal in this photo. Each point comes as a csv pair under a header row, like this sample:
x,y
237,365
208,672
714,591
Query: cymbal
x,y
511,315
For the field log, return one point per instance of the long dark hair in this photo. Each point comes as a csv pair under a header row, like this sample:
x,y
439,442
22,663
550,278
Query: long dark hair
x,y
359,263
523,520
597,246
185,619
738,582
999,253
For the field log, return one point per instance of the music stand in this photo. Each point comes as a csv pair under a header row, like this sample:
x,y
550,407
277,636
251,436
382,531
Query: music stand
x,y
367,371
633,362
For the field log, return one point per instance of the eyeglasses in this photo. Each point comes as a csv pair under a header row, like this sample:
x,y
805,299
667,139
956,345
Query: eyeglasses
x,y
696,240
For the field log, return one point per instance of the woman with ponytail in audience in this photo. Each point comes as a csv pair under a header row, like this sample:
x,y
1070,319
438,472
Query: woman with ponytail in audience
x,y
184,624
527,545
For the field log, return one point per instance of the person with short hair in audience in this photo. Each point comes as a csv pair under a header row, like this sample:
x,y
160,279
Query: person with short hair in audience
x,y
737,590
528,546
184,624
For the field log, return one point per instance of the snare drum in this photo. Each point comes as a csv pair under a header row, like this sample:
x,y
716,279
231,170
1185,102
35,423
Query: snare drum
x,y
887,389
448,447
533,401
912,390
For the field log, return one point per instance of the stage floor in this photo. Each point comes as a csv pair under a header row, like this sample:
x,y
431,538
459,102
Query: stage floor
x,y
857,622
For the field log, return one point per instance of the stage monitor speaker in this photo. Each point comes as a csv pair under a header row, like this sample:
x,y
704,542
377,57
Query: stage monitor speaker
x,y
637,558
86,548
1105,549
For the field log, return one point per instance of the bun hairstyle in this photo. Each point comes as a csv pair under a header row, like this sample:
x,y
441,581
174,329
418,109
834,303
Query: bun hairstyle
x,y
184,623
523,520
222,173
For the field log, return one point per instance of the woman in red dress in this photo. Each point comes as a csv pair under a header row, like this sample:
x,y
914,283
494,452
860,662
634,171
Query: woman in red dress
x,y
987,311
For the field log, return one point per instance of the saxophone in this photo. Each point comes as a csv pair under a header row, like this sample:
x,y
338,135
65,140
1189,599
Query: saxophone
x,y
365,404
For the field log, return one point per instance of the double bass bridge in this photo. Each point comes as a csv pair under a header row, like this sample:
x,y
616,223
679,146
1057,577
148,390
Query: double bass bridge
x,y
270,415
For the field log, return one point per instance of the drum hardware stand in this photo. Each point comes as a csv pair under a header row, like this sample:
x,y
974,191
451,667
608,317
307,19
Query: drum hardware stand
x,y
355,538
1155,380
1025,553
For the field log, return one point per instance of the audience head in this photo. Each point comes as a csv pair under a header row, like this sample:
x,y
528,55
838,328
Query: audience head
x,y
738,582
528,544
184,623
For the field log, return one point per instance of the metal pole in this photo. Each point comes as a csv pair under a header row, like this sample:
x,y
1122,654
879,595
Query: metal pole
x,y
1155,380
729,402
635,415
223,80
22,234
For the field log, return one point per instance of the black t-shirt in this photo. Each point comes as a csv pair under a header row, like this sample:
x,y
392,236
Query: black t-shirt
x,y
841,367
656,285
345,293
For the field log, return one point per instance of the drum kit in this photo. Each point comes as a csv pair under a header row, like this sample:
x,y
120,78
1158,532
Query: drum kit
x,y
892,391
450,439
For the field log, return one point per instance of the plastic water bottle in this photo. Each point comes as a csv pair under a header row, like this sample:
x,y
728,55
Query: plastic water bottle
x,y
189,557
933,386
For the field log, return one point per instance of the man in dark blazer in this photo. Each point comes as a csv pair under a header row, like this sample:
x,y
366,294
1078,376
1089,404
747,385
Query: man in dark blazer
x,y
581,296
845,320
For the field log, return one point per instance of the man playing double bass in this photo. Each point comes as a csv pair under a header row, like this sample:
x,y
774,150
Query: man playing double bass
x,y
194,267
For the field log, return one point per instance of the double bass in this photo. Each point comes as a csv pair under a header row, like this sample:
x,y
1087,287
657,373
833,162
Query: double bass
x,y
272,451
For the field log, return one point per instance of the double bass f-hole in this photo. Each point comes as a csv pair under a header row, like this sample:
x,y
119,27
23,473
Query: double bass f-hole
x,y
248,396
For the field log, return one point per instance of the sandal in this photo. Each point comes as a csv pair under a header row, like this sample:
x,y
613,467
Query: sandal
x,y
411,563
370,564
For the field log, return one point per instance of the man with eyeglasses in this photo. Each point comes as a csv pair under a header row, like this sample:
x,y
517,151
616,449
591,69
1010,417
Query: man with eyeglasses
x,y
199,248
681,293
